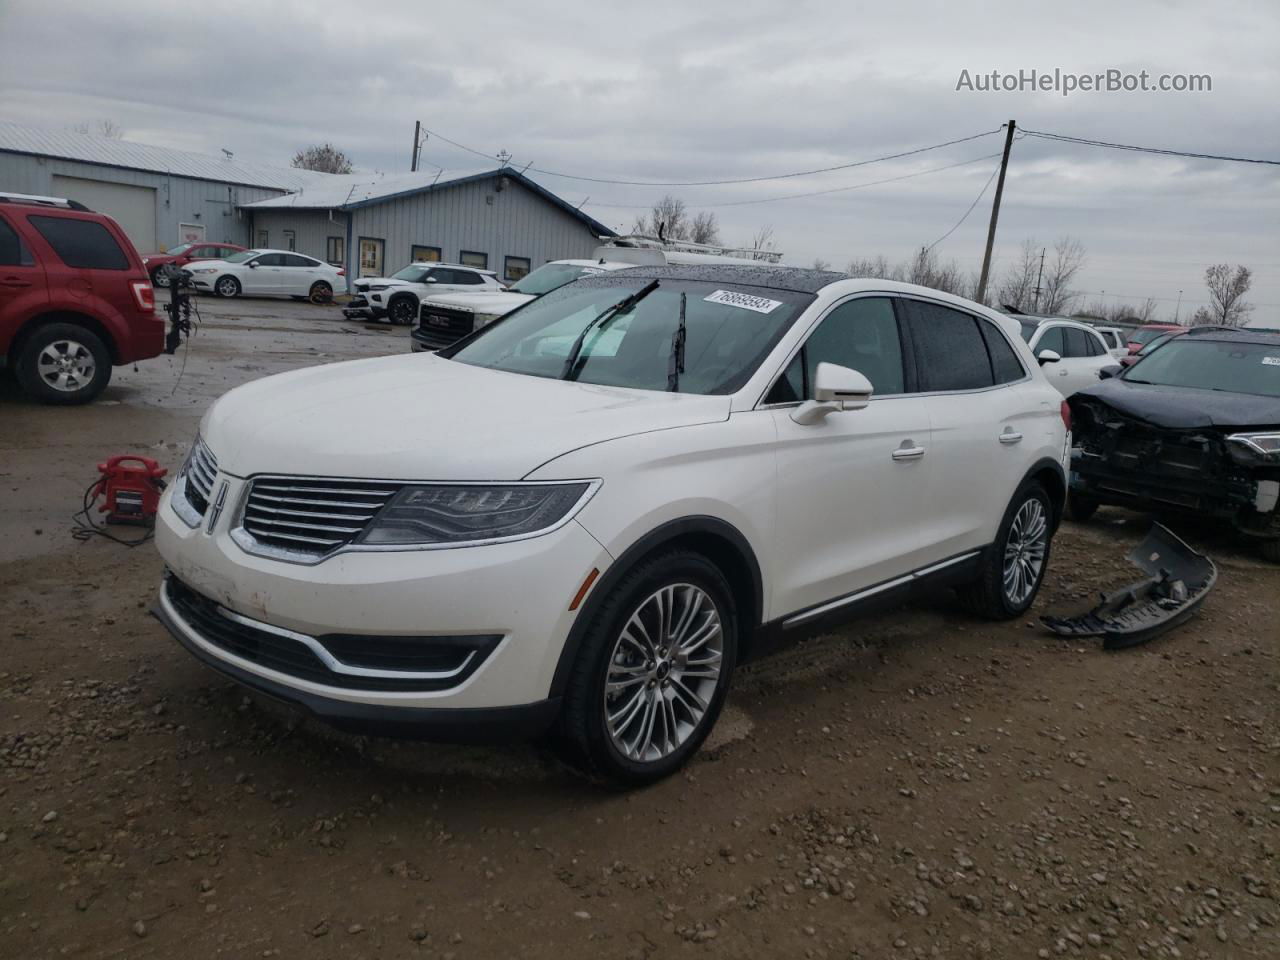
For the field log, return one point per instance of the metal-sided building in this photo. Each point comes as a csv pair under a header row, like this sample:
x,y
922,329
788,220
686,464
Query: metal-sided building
x,y
498,219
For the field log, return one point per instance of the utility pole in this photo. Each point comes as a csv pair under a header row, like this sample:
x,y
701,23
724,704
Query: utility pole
x,y
995,214
1178,309
417,142
1039,277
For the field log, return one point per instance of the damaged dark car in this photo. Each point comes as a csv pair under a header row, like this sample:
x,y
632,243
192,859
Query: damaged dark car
x,y
1194,428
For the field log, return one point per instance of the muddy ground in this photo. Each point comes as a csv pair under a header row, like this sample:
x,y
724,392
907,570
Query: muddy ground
x,y
920,784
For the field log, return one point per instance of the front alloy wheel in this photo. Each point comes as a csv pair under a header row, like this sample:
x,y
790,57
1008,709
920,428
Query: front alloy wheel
x,y
1012,568
402,311
663,672
652,669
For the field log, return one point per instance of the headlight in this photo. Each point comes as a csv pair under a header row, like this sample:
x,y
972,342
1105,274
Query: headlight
x,y
1263,444
203,269
469,513
379,286
484,319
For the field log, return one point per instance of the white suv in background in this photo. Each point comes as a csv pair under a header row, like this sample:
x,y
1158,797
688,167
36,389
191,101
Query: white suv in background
x,y
583,518
1072,353
396,297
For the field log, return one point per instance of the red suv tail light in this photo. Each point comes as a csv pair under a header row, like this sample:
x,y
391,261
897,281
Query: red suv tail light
x,y
145,295
1065,410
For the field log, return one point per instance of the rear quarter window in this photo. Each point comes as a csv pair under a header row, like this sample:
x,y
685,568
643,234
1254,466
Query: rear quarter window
x,y
1005,365
85,244
950,351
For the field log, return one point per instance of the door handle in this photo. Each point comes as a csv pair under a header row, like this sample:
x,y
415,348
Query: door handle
x,y
908,451
14,282
1010,435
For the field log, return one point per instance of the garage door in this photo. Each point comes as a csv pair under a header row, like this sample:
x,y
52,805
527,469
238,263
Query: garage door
x,y
134,208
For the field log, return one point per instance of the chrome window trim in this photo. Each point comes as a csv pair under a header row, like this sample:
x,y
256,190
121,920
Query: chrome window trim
x,y
250,545
773,379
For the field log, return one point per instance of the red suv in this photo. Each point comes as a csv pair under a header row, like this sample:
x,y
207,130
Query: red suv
x,y
183,254
74,298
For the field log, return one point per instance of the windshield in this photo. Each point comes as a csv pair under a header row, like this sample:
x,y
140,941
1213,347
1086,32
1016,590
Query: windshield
x,y
1145,336
1029,328
179,249
550,276
414,273
1159,341
729,330
242,256
1212,365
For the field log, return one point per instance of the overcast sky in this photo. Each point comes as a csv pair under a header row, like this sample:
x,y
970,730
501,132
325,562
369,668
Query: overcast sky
x,y
720,90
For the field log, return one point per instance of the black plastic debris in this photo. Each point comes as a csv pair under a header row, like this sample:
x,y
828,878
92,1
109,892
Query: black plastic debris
x,y
1177,581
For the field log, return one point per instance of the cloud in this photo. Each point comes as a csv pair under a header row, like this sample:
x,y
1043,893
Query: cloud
x,y
718,89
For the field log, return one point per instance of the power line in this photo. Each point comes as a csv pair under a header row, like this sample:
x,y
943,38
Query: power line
x,y
710,183
1064,138
967,212
812,193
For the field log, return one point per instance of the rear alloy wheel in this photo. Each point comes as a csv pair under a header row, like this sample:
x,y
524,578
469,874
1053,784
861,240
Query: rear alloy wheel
x,y
227,287
63,363
321,292
1015,564
402,311
654,670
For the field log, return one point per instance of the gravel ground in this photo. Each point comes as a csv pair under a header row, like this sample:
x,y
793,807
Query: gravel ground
x,y
920,784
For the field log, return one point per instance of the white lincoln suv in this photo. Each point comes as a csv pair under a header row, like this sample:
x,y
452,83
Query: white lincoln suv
x,y
584,516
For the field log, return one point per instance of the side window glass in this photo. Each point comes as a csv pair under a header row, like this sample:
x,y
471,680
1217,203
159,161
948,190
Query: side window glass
x,y
13,252
1051,339
863,335
1004,362
441,275
1096,347
789,387
85,244
1077,345
951,353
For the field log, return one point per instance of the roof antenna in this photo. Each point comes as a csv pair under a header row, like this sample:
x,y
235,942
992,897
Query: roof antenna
x,y
503,156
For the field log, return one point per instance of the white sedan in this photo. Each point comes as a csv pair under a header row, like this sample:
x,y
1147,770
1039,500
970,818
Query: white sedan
x,y
269,273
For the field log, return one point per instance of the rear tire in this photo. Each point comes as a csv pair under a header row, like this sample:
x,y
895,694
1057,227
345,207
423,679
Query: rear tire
x,y
1081,507
63,363
321,292
1015,564
664,699
227,287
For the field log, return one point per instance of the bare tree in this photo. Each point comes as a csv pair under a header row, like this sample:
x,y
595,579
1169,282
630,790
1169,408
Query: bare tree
x,y
1226,296
324,158
103,128
762,243
704,228
820,264
1056,296
1017,287
668,219
875,268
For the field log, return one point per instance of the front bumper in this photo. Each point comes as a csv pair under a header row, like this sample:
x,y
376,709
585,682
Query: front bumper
x,y
514,594
360,308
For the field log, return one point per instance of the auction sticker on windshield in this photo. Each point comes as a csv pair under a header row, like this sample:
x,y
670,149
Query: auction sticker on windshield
x,y
745,301
1271,361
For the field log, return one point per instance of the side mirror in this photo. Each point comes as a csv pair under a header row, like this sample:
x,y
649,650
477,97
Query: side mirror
x,y
1106,373
1048,356
432,280
253,264
835,388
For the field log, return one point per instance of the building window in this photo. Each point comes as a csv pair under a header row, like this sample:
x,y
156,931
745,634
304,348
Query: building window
x,y
515,268
421,254
470,258
335,250
290,240
260,239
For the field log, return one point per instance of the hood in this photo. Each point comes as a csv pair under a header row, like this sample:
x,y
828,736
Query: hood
x,y
421,417
365,282
495,302
1183,408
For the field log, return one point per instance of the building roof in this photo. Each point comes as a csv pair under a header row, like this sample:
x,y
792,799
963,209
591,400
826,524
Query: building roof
x,y
86,148
356,190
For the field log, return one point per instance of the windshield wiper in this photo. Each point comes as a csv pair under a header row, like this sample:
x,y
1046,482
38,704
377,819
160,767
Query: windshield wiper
x,y
571,368
675,365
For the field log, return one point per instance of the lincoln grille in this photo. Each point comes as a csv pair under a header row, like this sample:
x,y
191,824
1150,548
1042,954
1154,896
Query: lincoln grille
x,y
312,516
201,468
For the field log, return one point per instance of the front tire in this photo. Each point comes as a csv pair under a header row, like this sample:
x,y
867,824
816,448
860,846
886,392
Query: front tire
x,y
1015,564
321,292
227,287
653,671
63,363
402,311
160,279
